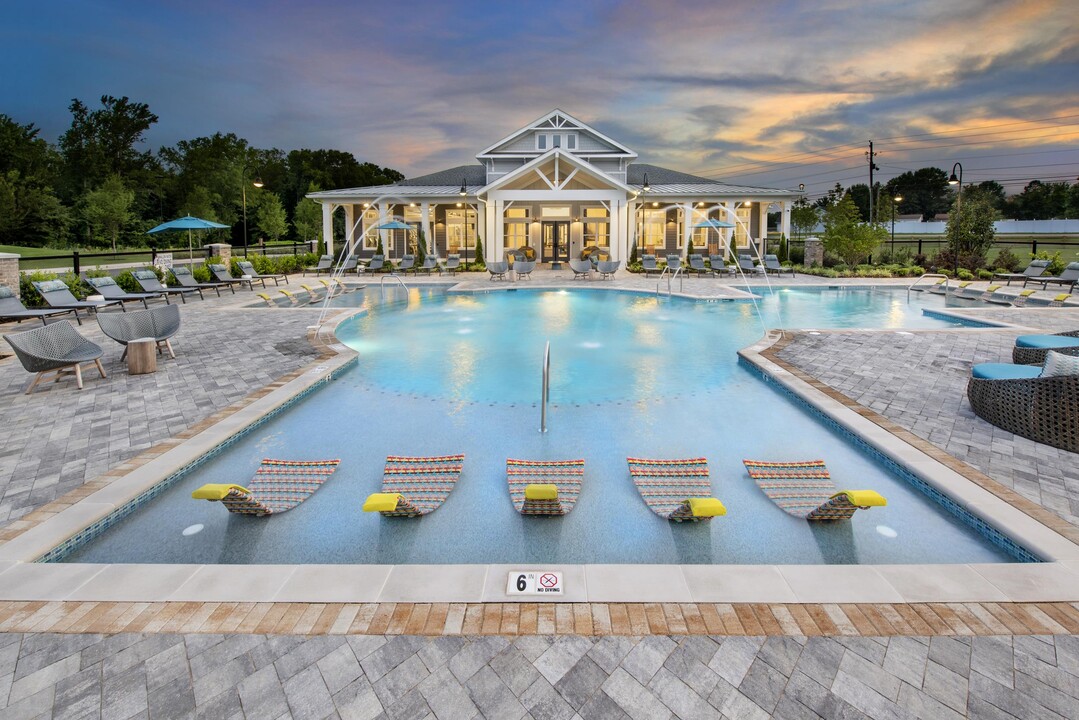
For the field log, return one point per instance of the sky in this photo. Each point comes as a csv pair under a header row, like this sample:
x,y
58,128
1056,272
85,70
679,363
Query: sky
x,y
763,92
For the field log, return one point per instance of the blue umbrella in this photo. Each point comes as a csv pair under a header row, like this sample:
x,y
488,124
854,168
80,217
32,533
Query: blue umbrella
x,y
394,225
714,224
188,223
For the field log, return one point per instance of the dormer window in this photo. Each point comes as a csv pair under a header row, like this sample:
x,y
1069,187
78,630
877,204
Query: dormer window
x,y
556,140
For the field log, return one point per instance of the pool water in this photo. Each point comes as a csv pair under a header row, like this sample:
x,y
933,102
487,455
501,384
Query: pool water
x,y
631,375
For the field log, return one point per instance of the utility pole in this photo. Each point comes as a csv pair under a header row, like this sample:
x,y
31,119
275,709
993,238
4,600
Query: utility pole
x,y
872,166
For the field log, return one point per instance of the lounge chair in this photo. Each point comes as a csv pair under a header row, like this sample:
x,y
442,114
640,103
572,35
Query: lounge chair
x,y
498,269
674,262
544,487
607,268
415,486
12,309
375,264
56,348
1036,268
1032,349
278,485
57,295
805,490
748,267
523,268
430,263
1068,278
772,265
408,263
325,264
696,265
147,280
186,279
160,323
719,267
453,264
107,288
1017,398
222,275
648,264
581,269
249,269
677,490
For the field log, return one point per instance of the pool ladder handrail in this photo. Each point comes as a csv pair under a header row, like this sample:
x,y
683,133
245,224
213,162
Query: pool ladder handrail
x,y
929,275
676,274
545,391
391,276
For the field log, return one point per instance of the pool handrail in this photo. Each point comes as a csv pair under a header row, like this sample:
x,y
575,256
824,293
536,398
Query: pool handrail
x,y
384,278
545,390
678,272
928,275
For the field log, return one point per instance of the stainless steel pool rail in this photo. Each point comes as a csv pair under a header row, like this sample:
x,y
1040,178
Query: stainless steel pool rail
x,y
382,283
676,274
545,391
928,275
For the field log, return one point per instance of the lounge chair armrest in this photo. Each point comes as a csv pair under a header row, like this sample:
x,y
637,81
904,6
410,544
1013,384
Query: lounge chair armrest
x,y
706,507
381,502
864,498
217,491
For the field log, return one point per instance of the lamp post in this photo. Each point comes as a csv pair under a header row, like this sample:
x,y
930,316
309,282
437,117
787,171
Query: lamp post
x,y
896,199
243,191
957,180
464,221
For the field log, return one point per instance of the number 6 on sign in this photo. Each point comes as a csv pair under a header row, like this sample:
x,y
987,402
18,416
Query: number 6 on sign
x,y
527,582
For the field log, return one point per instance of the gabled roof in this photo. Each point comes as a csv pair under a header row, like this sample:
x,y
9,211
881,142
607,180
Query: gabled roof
x,y
664,181
568,157
545,122
473,174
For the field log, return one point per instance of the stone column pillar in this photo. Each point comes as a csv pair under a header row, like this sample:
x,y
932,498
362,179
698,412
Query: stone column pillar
x,y
9,271
221,250
814,252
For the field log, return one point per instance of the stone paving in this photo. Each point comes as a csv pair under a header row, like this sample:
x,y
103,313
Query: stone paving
x,y
538,677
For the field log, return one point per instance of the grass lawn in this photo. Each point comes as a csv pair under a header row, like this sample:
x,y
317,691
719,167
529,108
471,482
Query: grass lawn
x,y
27,261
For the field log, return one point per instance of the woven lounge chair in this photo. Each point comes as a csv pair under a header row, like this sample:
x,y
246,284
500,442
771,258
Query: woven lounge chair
x,y
805,490
772,265
677,490
430,264
1017,399
581,269
186,279
498,269
607,268
221,274
544,487
278,485
649,266
249,269
1068,278
453,264
1032,349
56,348
376,263
11,308
523,269
415,486
57,295
159,323
107,288
147,280
1036,268
325,264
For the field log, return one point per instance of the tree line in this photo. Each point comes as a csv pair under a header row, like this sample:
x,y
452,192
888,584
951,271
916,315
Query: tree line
x,y
96,188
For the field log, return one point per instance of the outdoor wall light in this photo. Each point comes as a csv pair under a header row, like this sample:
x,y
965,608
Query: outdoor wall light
x,y
462,192
655,204
460,205
646,187
801,187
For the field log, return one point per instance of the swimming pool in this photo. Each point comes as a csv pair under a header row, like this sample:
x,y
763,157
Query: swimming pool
x,y
632,375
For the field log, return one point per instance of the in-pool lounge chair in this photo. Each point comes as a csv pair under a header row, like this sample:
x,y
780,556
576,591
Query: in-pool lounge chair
x,y
160,323
544,487
249,269
581,268
1038,403
57,295
772,265
1036,268
805,490
221,274
184,277
375,264
278,485
1068,278
607,268
147,280
1032,349
648,264
498,269
325,264
453,264
56,348
107,288
415,486
12,309
677,490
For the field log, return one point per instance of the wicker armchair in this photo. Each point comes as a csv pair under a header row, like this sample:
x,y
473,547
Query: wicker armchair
x,y
1044,410
159,323
56,348
1036,356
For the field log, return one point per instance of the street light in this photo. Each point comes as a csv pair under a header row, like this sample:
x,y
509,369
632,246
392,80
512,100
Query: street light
x,y
896,199
243,190
957,180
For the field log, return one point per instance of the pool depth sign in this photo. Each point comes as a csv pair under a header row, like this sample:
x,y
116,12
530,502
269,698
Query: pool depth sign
x,y
529,582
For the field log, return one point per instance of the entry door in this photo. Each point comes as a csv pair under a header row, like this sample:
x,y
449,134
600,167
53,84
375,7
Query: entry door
x,y
555,241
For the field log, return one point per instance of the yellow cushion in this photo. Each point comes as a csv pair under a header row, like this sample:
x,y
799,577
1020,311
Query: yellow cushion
x,y
541,491
1062,297
864,498
217,491
706,507
964,284
1026,293
381,502
992,288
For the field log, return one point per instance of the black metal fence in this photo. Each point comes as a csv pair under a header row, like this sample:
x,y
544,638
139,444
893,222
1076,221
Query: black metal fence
x,y
75,259
1068,246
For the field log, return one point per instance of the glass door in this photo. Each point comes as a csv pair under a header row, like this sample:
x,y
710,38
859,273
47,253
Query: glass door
x,y
555,242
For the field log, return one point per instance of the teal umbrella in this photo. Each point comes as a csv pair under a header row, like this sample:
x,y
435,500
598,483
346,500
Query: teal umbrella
x,y
713,224
188,223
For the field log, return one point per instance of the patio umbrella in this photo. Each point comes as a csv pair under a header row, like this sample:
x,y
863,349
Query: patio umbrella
x,y
187,223
714,224
397,225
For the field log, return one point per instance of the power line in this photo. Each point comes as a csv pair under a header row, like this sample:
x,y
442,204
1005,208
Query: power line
x,y
1018,122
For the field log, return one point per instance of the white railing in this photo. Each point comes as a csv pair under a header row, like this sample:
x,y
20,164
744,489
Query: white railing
x,y
928,275
676,274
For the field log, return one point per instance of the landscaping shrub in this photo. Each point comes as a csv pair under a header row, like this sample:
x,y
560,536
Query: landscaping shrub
x,y
1007,261
984,274
797,254
965,274
1056,261
127,282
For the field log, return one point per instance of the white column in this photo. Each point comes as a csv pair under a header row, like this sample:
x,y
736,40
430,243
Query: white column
x,y
498,240
687,227
350,232
327,226
490,221
387,247
617,241
785,219
425,223
762,224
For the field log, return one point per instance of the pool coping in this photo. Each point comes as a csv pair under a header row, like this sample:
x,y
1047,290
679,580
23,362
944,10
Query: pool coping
x,y
1057,580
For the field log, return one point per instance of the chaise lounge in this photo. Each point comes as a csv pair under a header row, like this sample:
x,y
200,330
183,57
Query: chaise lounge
x,y
544,487
107,288
1068,278
772,265
147,280
415,486
221,274
11,308
186,279
249,269
325,264
57,295
805,490
1036,268
1032,349
678,490
278,486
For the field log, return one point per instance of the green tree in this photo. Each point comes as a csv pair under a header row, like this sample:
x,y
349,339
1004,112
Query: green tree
x,y
102,142
107,211
30,213
804,217
307,219
970,230
270,217
848,237
1040,201
924,191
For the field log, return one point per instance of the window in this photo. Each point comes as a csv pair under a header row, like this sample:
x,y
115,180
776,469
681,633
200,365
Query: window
x,y
555,211
556,141
517,213
370,239
541,141
515,235
571,142
460,229
745,215
654,231
597,226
